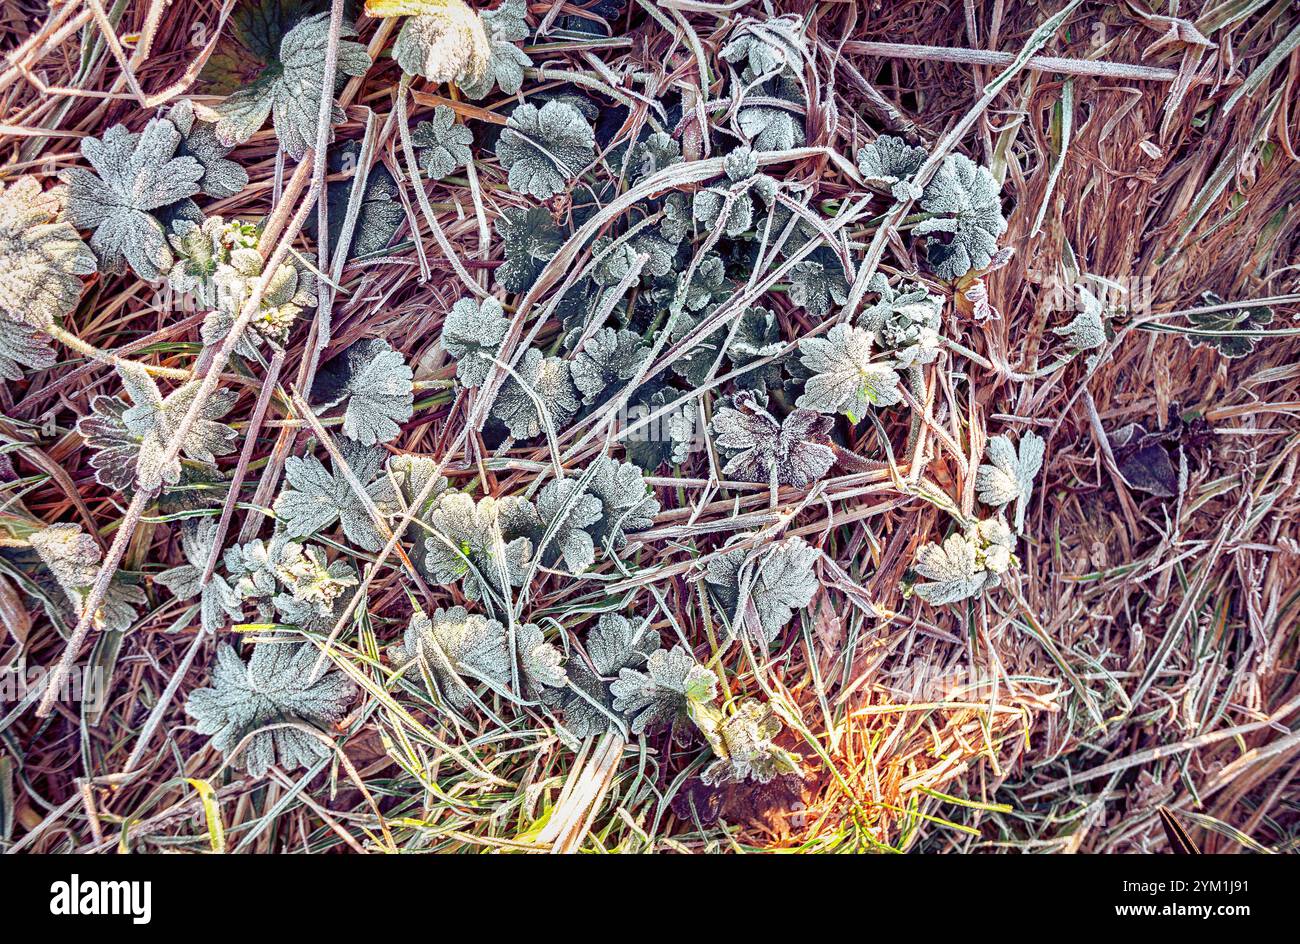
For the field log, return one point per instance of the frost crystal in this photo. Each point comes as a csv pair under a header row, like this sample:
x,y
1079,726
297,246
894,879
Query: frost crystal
x,y
443,143
41,258
136,177
1009,476
73,557
965,564
1087,330
791,452
312,499
218,601
289,91
376,383
543,149
472,334
892,162
845,378
965,200
277,686
779,579
21,346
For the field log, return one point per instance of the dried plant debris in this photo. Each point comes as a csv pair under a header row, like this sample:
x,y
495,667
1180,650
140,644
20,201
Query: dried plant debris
x,y
273,710
679,404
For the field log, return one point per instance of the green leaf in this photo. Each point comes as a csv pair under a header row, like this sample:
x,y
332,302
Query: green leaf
x,y
443,143
844,377
967,208
313,499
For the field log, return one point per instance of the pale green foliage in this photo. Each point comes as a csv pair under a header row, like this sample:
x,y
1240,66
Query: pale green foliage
x,y
41,259
200,251
790,452
1008,475
445,44
660,696
545,148
289,91
891,162
375,381
135,177
73,557
743,743
288,293
218,601
472,334
278,686
845,378
965,565
443,143
540,390
774,580
965,200
1087,330
313,499
506,62
627,503
313,582
254,568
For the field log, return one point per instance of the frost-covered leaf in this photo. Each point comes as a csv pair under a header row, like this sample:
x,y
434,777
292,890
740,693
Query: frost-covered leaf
x,y
780,579
379,215
289,90
965,564
767,45
472,334
442,40
741,166
669,437
817,286
411,475
278,685
613,644
201,249
541,664
41,256
769,128
130,440
443,143
891,162
22,346
1143,457
844,377
311,579
470,544
905,322
222,177
557,524
456,648
506,62
1246,318
312,498
653,154
1008,475
376,383
135,177
627,502
530,240
545,148
542,383
1087,330
659,697
288,293
758,336
965,200
218,601
608,358
791,452
73,557
744,745
254,569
